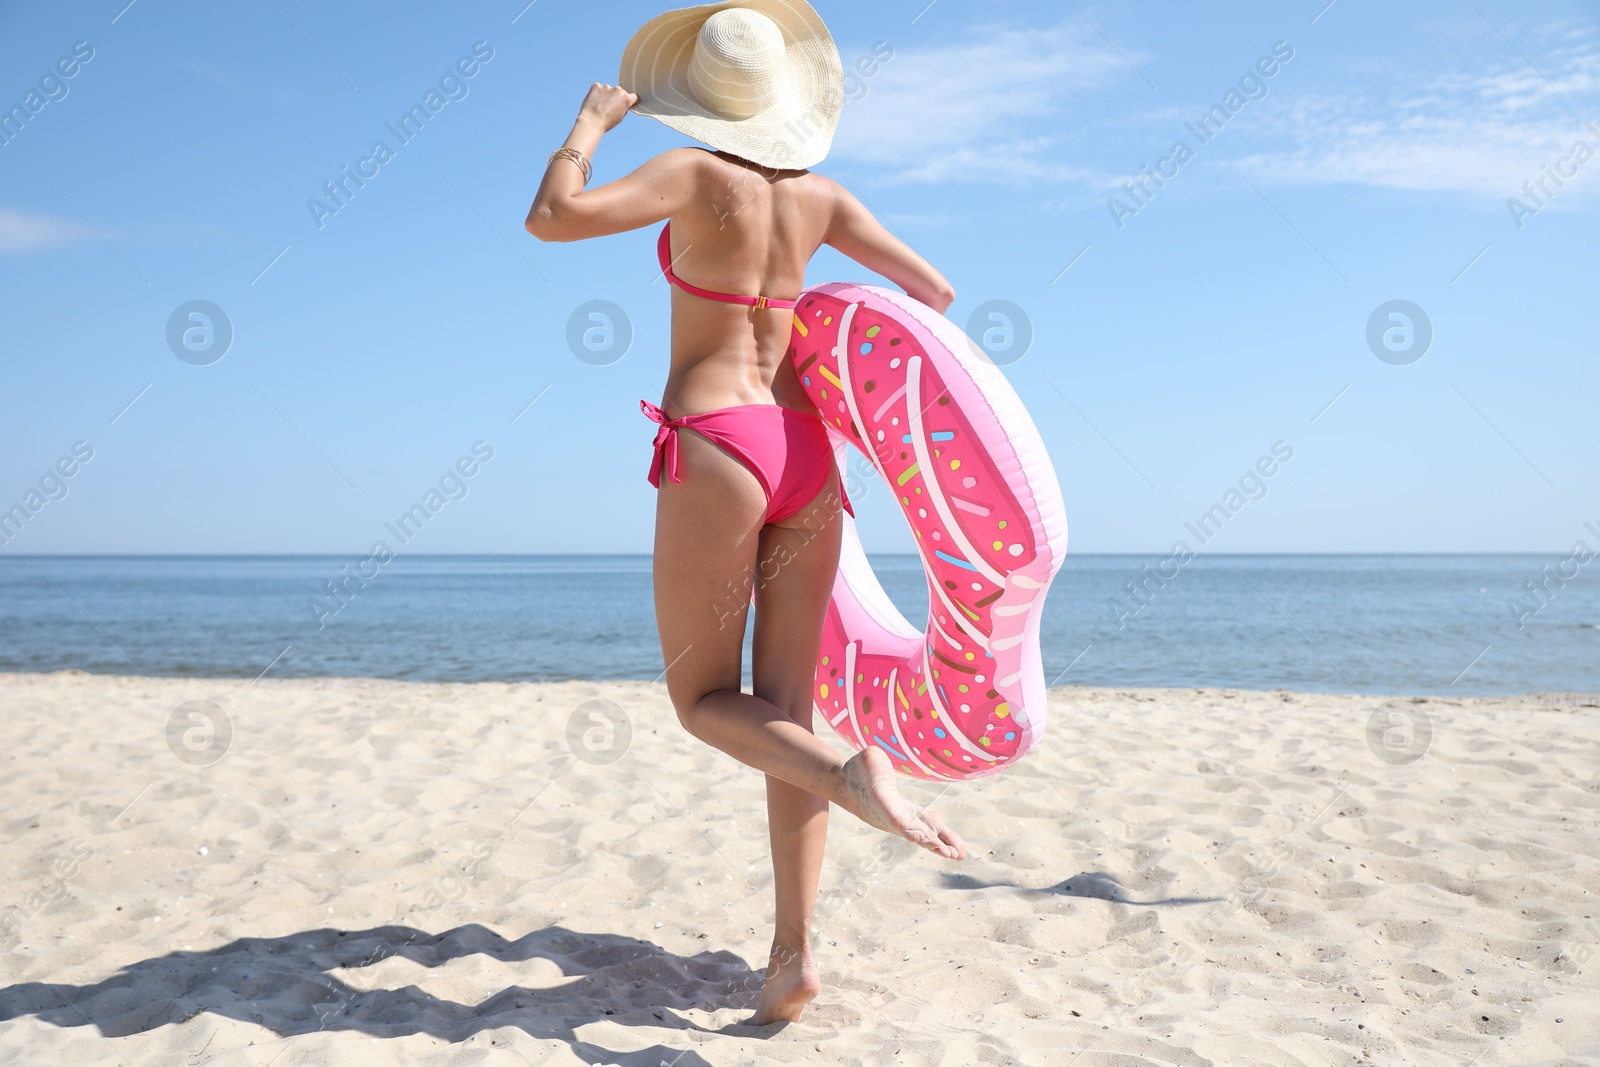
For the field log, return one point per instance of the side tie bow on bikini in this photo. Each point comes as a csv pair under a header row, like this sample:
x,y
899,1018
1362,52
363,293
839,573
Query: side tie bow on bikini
x,y
665,444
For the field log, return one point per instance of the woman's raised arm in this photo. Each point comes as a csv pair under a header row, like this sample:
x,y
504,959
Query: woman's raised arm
x,y
564,211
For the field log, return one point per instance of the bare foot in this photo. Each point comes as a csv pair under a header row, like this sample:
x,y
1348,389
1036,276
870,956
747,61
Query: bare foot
x,y
869,781
792,982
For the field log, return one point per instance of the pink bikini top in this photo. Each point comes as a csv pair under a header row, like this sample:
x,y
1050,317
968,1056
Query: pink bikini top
x,y
664,254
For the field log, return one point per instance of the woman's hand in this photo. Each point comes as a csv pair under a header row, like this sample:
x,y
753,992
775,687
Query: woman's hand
x,y
607,104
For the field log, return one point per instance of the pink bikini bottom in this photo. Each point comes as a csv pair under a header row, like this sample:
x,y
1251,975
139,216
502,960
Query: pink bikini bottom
x,y
787,450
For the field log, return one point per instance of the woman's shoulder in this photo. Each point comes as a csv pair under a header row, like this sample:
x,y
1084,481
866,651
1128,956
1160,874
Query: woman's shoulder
x,y
681,161
691,156
722,163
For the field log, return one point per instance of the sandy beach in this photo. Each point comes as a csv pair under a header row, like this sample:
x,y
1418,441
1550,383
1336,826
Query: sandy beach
x,y
355,872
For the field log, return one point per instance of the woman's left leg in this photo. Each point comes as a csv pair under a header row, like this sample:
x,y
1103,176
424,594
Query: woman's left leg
x,y
798,560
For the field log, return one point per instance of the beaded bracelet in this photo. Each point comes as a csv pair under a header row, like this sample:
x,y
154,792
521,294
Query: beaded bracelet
x,y
576,157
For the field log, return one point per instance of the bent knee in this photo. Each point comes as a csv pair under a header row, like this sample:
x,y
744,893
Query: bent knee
x,y
687,717
685,707
691,708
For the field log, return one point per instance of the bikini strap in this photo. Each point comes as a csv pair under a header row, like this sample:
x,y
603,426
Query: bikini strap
x,y
664,256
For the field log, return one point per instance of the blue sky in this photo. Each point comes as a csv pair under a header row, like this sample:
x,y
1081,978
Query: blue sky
x,y
1175,340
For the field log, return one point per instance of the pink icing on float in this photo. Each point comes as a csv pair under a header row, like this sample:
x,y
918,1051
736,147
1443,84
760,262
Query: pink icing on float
x,y
945,430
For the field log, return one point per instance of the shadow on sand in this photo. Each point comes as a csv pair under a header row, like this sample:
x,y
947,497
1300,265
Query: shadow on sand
x,y
1089,885
290,985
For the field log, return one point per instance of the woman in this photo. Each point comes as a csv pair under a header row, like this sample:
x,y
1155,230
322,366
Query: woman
x,y
751,496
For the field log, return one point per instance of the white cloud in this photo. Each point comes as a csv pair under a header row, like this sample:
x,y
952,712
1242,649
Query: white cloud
x,y
1483,133
999,108
974,109
1018,106
21,232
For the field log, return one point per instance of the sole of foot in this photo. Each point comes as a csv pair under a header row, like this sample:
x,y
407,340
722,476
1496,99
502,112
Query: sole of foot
x,y
869,777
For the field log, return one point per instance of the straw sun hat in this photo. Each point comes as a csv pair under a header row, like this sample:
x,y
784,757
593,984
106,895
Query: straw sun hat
x,y
758,78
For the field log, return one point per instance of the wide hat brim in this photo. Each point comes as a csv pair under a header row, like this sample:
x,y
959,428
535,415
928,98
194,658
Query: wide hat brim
x,y
791,135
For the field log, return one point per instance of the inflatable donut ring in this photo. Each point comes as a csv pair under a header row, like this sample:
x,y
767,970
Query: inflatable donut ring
x,y
948,434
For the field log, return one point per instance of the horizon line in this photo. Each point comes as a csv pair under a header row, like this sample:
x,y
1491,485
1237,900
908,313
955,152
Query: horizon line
x,y
648,555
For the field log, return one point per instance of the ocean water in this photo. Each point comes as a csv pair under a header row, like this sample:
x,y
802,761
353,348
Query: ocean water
x,y
1368,624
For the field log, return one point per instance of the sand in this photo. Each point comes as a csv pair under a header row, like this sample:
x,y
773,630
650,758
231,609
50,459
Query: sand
x,y
383,872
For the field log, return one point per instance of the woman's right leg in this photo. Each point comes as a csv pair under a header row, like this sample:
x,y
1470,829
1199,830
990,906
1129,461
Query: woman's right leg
x,y
708,536
708,533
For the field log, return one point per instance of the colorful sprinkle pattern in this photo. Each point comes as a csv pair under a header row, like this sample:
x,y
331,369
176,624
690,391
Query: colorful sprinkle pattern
x,y
965,697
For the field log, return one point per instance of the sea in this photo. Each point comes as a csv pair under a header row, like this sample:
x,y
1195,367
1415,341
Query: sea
x,y
1468,625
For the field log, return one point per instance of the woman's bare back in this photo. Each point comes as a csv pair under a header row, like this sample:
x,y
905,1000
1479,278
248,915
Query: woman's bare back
x,y
751,231
737,228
